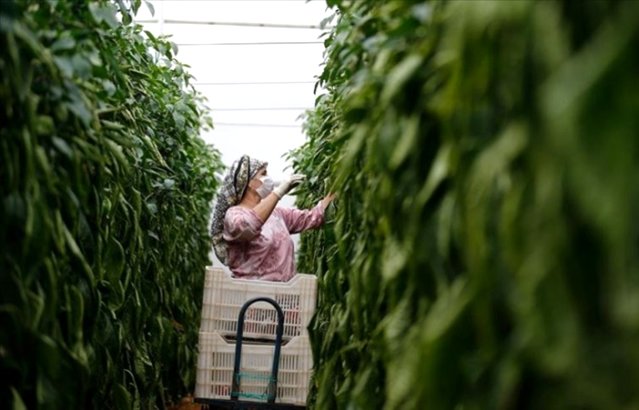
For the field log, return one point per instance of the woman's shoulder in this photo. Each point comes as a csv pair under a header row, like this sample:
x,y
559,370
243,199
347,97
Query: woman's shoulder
x,y
237,212
237,209
241,223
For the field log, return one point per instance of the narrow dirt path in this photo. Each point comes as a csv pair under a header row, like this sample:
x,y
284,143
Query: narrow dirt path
x,y
186,403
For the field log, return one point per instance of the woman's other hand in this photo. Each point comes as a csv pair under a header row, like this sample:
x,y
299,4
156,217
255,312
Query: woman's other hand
x,y
328,199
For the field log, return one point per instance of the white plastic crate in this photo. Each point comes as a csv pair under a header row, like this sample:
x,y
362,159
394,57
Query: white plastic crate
x,y
216,359
224,297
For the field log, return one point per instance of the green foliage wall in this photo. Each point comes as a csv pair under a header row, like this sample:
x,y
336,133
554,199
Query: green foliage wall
x,y
484,252
105,194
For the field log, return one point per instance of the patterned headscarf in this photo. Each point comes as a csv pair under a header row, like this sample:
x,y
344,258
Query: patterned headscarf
x,y
230,194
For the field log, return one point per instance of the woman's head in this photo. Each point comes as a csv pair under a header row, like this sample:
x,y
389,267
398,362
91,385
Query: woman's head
x,y
241,173
245,173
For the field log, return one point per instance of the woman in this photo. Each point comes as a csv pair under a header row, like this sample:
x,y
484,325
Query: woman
x,y
250,234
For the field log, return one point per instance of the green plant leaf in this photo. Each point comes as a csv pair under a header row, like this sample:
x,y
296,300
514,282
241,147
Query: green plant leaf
x,y
104,12
122,398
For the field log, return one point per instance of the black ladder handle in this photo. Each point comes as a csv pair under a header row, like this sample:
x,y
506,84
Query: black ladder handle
x,y
238,347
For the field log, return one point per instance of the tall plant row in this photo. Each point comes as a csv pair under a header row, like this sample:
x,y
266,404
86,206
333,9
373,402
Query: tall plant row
x,y
484,247
105,189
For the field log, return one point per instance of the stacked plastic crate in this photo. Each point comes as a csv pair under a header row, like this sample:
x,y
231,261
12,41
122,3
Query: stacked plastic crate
x,y
223,299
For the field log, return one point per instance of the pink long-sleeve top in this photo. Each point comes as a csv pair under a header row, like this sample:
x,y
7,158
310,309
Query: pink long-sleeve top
x,y
264,250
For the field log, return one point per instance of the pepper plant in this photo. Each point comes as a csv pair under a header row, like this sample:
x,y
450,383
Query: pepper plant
x,y
105,196
484,250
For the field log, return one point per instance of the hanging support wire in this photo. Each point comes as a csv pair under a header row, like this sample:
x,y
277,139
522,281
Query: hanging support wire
x,y
237,23
256,43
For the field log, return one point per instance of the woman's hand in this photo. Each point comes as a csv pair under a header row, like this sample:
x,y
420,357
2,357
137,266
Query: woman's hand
x,y
288,184
328,199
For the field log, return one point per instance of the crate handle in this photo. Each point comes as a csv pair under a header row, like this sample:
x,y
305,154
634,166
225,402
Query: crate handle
x,y
272,385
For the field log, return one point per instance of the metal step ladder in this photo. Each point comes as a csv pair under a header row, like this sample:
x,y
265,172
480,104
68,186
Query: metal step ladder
x,y
235,402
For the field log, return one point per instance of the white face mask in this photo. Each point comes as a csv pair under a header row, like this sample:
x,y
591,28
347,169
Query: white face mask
x,y
267,186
